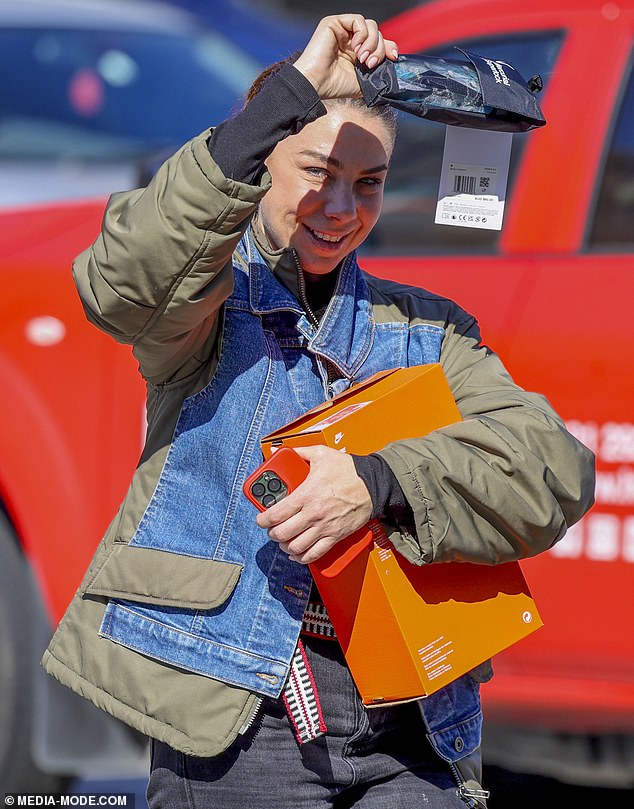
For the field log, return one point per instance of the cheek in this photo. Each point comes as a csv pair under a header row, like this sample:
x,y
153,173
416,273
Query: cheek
x,y
287,197
307,203
371,209
275,204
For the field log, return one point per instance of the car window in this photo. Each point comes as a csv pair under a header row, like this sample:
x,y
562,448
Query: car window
x,y
407,223
611,226
108,94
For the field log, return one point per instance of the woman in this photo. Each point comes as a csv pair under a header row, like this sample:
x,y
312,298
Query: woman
x,y
234,277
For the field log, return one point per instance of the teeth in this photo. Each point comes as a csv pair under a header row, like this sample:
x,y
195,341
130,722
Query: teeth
x,y
326,237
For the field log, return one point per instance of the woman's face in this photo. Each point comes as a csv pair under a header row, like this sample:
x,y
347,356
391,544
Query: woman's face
x,y
327,186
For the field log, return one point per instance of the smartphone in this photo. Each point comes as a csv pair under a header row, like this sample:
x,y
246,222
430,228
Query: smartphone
x,y
275,478
279,476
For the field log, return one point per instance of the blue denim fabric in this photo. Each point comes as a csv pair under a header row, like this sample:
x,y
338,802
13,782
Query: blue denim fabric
x,y
453,718
271,369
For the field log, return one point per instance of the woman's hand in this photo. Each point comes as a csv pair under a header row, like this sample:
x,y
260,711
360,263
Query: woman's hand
x,y
338,41
332,503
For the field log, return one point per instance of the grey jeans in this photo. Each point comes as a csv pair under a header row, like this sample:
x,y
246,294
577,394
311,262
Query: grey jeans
x,y
368,759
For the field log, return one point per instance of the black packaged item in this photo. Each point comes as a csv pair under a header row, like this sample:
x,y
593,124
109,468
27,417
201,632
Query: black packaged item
x,y
481,93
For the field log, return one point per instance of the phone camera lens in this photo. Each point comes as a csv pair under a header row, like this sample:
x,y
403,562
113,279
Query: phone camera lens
x,y
275,484
268,500
258,489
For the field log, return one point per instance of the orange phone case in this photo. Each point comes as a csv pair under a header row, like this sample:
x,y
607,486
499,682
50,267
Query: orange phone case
x,y
275,478
280,475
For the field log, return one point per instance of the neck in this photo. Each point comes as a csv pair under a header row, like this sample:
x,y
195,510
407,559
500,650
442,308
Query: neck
x,y
320,288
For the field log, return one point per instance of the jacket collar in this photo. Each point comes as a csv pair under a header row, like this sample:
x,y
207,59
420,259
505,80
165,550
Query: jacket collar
x,y
345,332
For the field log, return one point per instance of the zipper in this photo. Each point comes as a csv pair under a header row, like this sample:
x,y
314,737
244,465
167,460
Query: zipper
x,y
470,795
301,286
331,372
248,722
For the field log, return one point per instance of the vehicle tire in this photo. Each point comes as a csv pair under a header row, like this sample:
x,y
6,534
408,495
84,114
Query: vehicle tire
x,y
18,771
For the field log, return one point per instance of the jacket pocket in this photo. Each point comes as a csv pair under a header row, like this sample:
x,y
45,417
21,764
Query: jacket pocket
x,y
151,576
453,717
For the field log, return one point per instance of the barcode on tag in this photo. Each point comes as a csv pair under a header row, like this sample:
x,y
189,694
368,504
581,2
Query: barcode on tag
x,y
472,187
470,179
464,184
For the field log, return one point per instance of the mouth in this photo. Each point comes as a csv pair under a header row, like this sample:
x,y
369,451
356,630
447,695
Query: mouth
x,y
327,240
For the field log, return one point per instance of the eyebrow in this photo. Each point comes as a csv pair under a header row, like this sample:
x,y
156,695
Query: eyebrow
x,y
332,161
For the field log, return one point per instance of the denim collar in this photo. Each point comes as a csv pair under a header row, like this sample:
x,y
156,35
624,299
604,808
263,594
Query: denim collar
x,y
346,329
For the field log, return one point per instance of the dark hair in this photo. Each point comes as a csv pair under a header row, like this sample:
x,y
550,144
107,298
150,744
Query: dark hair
x,y
385,112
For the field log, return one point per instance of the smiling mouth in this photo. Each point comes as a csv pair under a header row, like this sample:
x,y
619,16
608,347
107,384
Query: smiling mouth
x,y
326,238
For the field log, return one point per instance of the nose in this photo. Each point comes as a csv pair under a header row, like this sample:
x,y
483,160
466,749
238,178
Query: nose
x,y
341,203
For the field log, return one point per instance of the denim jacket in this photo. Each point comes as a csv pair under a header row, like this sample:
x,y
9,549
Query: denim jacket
x,y
184,582
272,368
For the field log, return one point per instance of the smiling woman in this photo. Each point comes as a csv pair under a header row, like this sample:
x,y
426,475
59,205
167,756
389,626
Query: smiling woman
x,y
234,276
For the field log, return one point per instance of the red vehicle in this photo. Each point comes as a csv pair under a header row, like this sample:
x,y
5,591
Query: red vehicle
x,y
551,290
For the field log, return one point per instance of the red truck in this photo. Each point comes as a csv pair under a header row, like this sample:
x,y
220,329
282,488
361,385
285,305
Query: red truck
x,y
545,290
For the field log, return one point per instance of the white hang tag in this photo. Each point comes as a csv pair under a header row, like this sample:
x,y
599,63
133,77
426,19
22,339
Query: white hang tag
x,y
475,168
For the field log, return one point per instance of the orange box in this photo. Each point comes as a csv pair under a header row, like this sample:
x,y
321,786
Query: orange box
x,y
391,405
406,630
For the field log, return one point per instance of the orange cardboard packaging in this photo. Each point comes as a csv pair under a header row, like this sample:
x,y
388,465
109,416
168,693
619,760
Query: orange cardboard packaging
x,y
406,630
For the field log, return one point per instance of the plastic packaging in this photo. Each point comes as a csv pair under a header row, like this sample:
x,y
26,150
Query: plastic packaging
x,y
480,93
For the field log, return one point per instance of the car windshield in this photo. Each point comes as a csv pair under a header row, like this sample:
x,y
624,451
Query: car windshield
x,y
108,94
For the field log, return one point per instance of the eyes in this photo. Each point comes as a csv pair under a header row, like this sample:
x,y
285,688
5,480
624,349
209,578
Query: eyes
x,y
323,175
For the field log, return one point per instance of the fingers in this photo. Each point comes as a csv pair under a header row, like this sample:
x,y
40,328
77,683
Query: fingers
x,y
391,49
303,541
329,505
337,42
304,547
307,547
312,553
368,43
